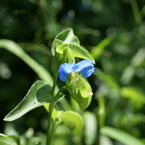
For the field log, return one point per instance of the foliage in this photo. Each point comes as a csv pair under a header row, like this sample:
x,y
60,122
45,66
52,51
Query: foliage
x,y
113,33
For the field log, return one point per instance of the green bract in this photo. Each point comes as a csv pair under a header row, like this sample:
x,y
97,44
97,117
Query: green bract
x,y
66,47
84,95
77,51
66,36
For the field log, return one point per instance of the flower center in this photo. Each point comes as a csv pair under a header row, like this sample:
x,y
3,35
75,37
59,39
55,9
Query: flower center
x,y
74,76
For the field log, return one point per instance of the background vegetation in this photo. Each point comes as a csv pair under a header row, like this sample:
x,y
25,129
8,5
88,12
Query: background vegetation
x,y
113,31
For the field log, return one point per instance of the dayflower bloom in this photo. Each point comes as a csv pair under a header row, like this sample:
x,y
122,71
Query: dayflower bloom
x,y
85,67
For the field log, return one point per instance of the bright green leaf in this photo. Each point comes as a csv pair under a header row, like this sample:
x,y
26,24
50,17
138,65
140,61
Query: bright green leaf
x,y
73,121
84,95
39,94
121,136
77,51
66,36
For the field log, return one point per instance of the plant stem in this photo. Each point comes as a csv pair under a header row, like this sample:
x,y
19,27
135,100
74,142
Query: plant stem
x,y
50,127
54,84
50,121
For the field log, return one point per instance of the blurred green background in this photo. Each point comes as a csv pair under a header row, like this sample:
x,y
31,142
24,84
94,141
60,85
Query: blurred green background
x,y
112,30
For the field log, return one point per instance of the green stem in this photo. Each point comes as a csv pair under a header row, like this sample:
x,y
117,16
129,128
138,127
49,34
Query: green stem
x,y
50,120
54,84
54,126
62,89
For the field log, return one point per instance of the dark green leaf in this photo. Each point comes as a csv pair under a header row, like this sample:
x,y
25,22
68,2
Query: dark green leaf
x,y
39,94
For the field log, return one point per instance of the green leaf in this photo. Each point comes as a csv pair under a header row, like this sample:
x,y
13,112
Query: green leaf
x,y
77,51
18,51
107,79
39,94
66,36
135,95
90,126
10,140
84,95
97,51
73,121
121,136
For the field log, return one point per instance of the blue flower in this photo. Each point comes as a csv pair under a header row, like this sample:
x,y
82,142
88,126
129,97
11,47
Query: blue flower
x,y
85,67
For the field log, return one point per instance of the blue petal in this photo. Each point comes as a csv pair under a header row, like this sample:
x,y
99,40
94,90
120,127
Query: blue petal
x,y
64,70
85,67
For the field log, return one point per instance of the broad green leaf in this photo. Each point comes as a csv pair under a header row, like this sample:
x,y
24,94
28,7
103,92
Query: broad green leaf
x,y
121,136
73,121
39,94
135,95
10,140
107,79
84,95
18,51
77,51
90,126
66,36
97,51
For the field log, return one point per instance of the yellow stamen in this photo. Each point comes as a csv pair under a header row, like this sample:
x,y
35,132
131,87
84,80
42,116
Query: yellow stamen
x,y
74,77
